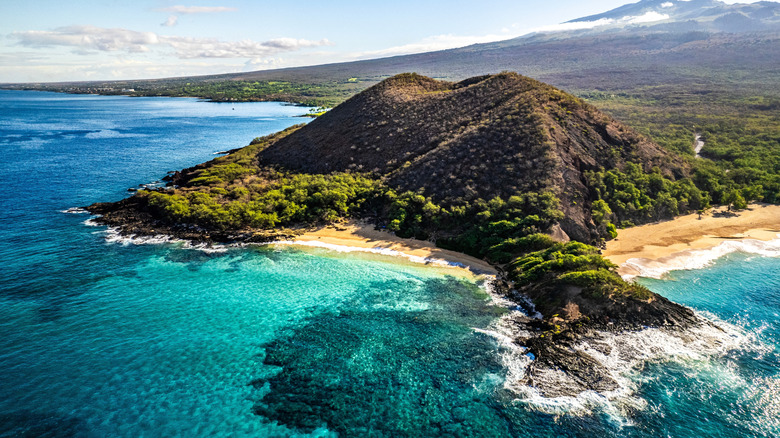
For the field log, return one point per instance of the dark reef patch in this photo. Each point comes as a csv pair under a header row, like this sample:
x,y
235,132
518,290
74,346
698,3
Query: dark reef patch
x,y
376,369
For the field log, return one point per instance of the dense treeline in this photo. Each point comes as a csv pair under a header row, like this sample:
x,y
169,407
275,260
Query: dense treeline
x,y
310,94
496,229
740,161
288,200
632,197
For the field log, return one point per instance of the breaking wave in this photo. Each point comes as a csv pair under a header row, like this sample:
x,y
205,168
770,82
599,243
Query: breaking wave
x,y
698,259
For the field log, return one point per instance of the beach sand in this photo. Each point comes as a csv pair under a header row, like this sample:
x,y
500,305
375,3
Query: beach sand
x,y
357,236
667,244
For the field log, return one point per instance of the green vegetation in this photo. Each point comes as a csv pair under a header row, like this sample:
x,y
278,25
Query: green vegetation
x,y
574,264
496,229
633,197
740,128
279,200
323,94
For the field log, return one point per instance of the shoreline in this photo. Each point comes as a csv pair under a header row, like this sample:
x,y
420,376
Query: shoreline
x,y
357,236
687,242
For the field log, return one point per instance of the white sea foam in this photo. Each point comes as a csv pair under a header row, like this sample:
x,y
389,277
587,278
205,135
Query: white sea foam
x,y
113,235
698,259
92,222
623,355
514,357
75,210
505,331
381,251
110,133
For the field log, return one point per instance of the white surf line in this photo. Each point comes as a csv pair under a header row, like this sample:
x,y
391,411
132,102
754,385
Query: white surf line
x,y
625,356
700,258
74,210
376,250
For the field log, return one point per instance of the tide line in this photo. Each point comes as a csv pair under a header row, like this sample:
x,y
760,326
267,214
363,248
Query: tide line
x,y
698,258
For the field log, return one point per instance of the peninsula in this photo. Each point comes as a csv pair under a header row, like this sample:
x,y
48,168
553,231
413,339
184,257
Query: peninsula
x,y
503,168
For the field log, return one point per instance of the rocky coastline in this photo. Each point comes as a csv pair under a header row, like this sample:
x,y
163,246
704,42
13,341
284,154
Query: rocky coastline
x,y
131,217
560,367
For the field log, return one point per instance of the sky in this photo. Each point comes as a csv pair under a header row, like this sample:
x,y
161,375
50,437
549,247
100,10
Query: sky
x,y
55,40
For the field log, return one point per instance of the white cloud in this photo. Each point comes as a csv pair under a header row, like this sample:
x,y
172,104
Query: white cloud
x,y
179,9
667,5
189,48
171,21
647,17
89,38
449,41
437,42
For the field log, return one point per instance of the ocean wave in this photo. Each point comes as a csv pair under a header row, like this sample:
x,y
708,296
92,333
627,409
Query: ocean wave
x,y
700,258
381,251
113,235
74,210
110,133
623,354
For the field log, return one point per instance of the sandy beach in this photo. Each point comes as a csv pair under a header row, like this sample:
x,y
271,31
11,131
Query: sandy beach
x,y
356,236
680,243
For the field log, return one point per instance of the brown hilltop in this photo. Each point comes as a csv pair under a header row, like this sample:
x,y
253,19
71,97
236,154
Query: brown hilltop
x,y
480,138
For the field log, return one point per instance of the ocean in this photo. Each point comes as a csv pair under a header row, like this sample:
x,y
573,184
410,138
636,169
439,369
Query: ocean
x,y
102,336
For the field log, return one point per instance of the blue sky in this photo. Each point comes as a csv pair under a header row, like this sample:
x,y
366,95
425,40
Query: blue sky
x,y
46,40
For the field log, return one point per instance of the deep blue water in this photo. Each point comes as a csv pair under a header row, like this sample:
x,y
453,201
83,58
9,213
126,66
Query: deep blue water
x,y
103,339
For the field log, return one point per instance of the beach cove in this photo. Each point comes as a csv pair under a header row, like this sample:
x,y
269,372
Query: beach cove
x,y
356,236
690,242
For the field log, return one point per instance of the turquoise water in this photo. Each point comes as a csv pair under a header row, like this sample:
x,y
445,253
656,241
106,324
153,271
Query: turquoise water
x,y
107,339
737,394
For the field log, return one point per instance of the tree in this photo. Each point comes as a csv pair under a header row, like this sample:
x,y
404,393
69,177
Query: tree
x,y
733,198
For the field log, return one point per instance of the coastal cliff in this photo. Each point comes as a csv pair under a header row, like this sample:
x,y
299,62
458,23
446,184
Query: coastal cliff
x,y
500,167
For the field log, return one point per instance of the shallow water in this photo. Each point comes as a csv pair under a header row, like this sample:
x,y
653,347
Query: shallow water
x,y
110,339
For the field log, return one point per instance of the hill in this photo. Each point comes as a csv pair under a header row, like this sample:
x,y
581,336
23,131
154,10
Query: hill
x,y
672,70
486,137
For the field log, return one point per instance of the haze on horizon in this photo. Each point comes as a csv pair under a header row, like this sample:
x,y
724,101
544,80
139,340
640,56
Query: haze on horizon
x,y
50,40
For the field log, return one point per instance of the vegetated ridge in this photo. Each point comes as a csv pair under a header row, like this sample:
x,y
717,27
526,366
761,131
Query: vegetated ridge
x,y
501,167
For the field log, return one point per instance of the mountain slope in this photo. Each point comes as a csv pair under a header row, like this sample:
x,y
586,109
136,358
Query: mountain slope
x,y
709,15
491,136
699,45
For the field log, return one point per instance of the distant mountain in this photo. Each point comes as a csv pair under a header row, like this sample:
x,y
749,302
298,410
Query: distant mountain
x,y
486,137
701,46
682,16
